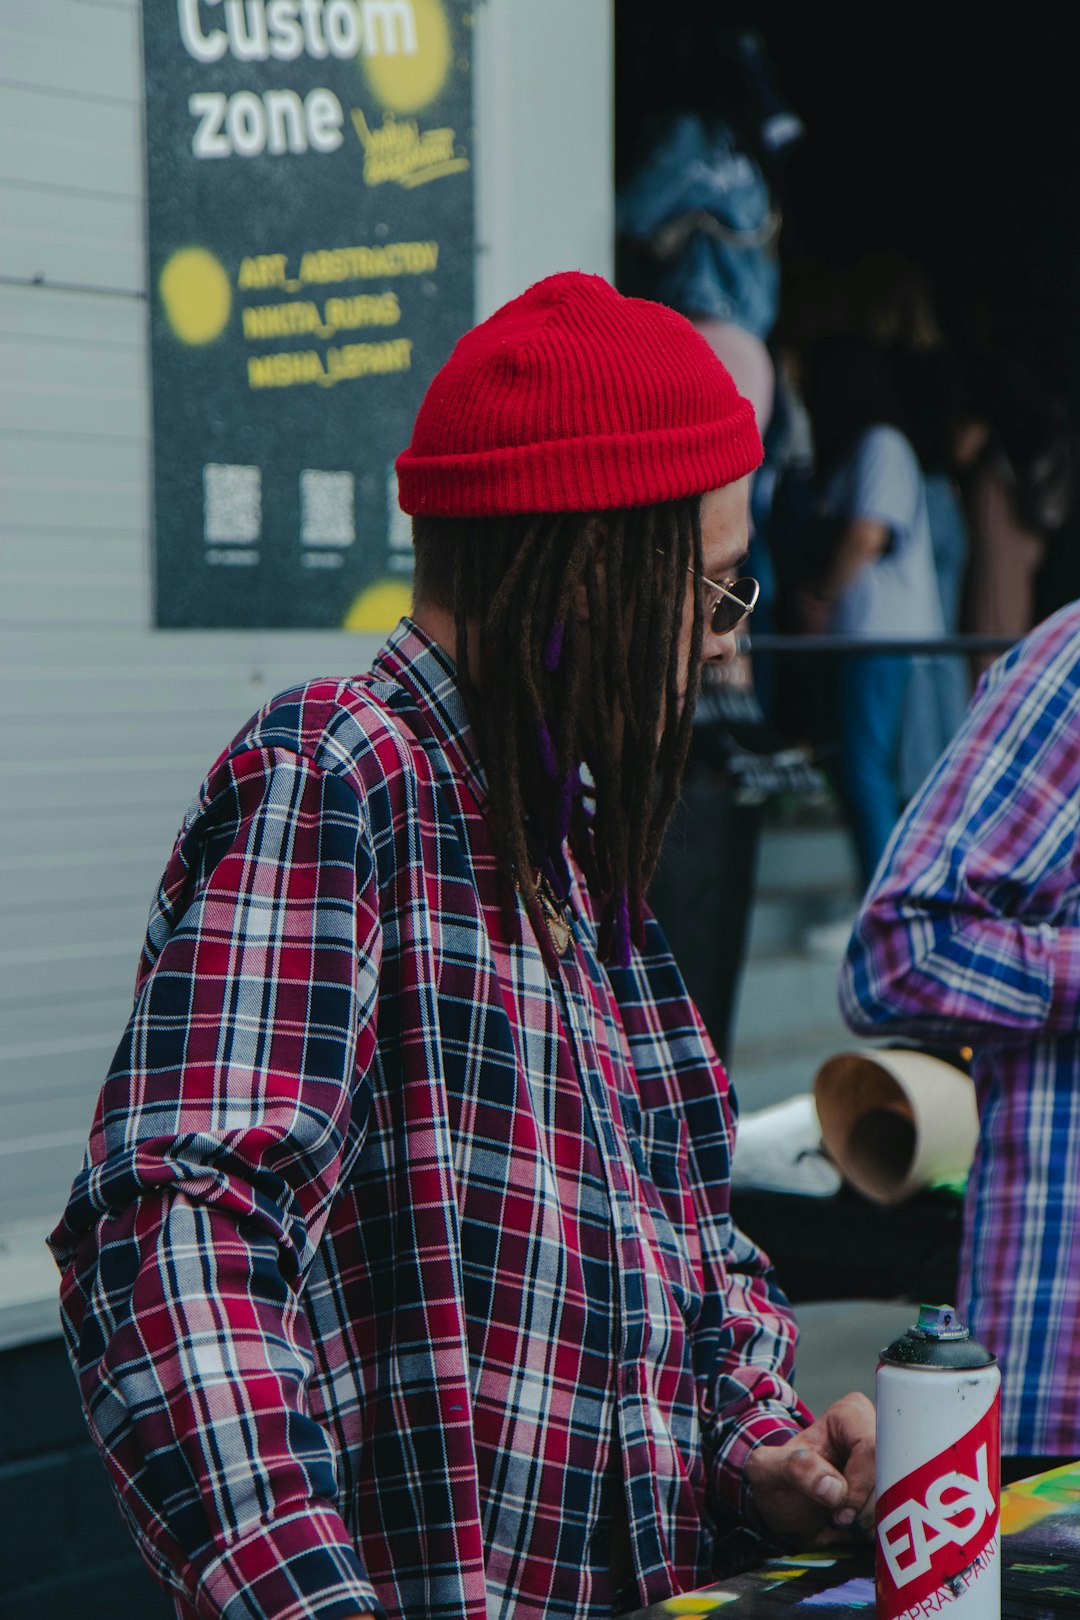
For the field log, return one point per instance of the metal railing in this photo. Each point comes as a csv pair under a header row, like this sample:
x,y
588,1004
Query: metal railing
x,y
798,646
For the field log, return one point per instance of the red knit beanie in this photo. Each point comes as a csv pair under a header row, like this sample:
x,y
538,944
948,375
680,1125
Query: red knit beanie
x,y
573,398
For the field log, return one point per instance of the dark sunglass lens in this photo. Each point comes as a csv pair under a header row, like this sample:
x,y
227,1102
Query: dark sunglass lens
x,y
727,614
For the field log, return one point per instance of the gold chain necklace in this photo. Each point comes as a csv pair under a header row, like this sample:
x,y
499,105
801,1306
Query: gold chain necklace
x,y
556,914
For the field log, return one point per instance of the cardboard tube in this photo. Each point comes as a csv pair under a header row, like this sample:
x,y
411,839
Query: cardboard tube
x,y
893,1122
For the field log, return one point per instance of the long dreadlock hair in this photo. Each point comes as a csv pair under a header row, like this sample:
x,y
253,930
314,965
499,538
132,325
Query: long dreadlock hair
x,y
536,720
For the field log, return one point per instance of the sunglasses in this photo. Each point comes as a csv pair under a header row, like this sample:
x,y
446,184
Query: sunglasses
x,y
731,604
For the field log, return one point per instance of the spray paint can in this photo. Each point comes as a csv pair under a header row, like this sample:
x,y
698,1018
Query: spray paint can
x,y
938,1543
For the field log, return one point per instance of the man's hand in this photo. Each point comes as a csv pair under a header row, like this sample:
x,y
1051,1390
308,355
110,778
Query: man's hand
x,y
819,1486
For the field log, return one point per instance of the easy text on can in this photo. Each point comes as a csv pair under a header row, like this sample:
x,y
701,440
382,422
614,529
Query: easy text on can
x,y
937,1543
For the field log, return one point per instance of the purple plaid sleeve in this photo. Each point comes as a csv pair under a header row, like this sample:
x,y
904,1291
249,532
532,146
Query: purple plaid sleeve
x,y
969,932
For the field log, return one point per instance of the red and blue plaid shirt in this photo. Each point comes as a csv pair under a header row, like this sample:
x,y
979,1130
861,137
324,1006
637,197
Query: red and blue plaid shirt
x,y
970,933
400,1268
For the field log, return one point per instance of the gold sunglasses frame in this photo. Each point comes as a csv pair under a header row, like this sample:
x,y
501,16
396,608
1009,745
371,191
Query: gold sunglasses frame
x,y
722,591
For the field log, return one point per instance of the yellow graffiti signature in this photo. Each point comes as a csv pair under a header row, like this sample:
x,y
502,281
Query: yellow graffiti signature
x,y
397,151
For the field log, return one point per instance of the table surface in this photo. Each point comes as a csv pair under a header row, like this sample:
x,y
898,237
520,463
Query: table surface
x,y
1040,1569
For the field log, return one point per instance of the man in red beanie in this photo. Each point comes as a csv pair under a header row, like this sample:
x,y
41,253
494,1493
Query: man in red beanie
x,y
400,1278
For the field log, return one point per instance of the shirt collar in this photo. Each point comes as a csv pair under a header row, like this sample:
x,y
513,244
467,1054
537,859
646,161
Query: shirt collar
x,y
413,660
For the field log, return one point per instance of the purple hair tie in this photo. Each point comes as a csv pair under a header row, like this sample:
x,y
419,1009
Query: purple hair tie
x,y
547,868
547,751
553,650
621,940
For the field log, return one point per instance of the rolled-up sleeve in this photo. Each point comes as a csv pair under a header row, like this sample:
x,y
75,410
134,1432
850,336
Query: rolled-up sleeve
x,y
750,1400
744,1338
234,1101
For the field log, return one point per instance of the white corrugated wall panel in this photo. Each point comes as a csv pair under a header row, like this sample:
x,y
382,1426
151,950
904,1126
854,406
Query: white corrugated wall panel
x,y
107,725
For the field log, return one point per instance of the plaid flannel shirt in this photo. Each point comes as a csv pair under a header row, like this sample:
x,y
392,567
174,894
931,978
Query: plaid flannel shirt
x,y
400,1267
970,934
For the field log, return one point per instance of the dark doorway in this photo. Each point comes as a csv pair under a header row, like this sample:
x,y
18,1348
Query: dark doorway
x,y
930,131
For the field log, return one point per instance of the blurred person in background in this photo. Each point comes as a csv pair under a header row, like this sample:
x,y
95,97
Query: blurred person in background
x,y
1019,487
931,385
699,224
890,301
872,572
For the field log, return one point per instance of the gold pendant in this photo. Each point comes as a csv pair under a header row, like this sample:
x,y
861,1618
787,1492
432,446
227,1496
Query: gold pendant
x,y
556,915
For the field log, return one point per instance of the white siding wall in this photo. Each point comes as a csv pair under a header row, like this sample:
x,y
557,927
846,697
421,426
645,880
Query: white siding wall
x,y
106,724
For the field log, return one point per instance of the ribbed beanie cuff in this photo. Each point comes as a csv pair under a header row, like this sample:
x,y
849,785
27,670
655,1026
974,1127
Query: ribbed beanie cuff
x,y
573,398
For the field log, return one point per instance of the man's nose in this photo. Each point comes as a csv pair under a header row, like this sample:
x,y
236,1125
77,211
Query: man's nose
x,y
719,649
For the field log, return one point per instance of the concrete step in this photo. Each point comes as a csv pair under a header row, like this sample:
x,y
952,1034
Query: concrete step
x,y
786,997
839,1341
765,1075
787,1019
807,878
781,923
807,859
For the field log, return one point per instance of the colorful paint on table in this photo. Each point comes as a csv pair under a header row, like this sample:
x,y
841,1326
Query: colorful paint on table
x,y
1040,1522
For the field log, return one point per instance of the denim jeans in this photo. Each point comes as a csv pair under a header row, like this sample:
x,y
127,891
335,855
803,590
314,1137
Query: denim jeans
x,y
871,702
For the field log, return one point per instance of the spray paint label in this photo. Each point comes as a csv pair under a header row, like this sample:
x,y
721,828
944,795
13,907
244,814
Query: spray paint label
x,y
938,1474
938,1526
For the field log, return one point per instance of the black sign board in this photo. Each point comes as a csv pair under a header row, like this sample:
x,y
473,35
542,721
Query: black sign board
x,y
310,225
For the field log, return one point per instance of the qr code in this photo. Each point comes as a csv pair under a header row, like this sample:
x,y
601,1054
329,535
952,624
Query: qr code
x,y
327,508
399,526
232,504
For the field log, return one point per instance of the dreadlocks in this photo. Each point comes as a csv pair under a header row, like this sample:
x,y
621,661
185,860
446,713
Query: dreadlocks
x,y
536,719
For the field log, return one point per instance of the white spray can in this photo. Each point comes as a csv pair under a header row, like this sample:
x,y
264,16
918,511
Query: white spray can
x,y
938,1541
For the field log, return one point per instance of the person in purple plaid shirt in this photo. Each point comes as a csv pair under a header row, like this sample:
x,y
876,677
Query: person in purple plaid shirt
x,y
400,1276
970,935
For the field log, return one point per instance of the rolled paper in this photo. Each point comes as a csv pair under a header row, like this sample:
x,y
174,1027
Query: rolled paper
x,y
896,1122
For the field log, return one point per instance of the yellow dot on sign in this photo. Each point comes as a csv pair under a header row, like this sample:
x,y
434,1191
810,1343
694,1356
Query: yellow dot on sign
x,y
406,66
380,606
195,291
